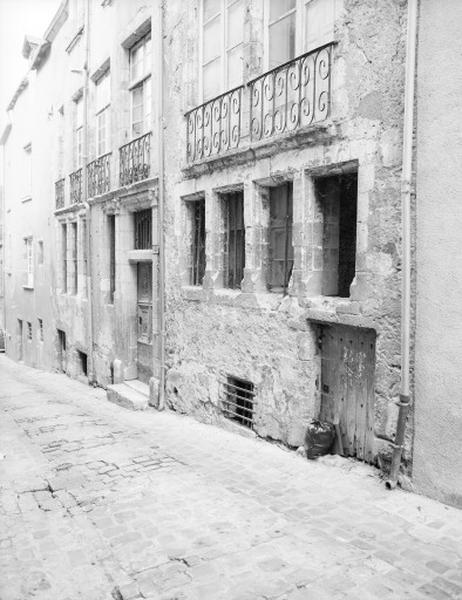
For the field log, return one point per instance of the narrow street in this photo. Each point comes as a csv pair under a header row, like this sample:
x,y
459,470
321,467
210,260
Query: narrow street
x,y
100,503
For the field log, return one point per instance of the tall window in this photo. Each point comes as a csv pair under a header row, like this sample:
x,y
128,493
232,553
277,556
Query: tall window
x,y
112,266
297,26
143,229
281,253
234,255
64,256
222,43
73,259
27,180
40,330
78,132
29,251
102,106
140,86
196,213
281,31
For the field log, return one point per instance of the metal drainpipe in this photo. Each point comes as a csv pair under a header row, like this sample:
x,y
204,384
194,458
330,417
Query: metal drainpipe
x,y
160,220
91,370
406,186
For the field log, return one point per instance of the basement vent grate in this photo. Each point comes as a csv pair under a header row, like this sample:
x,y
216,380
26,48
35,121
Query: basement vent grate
x,y
238,399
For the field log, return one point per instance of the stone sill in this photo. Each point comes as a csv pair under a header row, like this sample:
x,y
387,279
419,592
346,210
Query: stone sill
x,y
260,301
135,256
317,133
72,208
26,199
336,310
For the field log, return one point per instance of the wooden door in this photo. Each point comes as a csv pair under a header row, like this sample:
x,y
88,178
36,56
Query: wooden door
x,y
144,324
347,386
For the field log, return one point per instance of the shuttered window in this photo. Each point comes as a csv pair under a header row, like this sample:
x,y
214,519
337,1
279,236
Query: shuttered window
x,y
281,253
234,255
196,209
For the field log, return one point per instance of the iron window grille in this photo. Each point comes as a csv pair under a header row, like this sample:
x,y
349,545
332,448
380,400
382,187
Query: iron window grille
x,y
143,229
281,253
29,330
40,329
197,253
238,400
234,238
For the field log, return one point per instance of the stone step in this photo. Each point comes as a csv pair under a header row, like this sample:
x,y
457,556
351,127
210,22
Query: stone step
x,y
127,396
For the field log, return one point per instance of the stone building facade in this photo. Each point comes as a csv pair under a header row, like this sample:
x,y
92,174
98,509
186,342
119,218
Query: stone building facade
x,y
214,221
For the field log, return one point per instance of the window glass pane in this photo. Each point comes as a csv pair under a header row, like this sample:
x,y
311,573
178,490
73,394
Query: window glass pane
x,y
235,67
282,41
212,40
280,7
102,132
147,103
211,79
136,57
79,113
103,92
147,56
235,25
319,23
211,7
137,110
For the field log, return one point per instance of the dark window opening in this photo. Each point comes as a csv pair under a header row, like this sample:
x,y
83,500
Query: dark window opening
x,y
40,328
29,330
238,400
196,211
112,259
62,350
234,240
337,197
83,362
143,229
281,252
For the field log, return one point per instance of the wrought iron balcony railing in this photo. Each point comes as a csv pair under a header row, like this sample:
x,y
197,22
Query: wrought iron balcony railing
x,y
75,180
290,96
135,160
59,193
99,175
215,126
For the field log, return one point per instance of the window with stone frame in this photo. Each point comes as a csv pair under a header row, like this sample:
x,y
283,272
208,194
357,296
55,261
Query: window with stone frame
x,y
29,330
143,229
102,113
73,259
221,46
297,26
334,232
234,239
29,255
140,66
64,257
40,330
280,249
196,240
78,132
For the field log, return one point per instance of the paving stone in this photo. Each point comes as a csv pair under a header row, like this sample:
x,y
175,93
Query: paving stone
x,y
207,514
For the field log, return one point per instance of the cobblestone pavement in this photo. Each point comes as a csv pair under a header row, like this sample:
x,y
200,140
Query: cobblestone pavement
x,y
99,503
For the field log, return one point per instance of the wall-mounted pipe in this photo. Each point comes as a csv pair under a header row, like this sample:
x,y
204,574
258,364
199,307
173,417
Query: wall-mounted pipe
x,y
161,207
406,187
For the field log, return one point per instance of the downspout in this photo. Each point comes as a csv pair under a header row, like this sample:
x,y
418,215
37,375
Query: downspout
x,y
161,204
406,188
85,153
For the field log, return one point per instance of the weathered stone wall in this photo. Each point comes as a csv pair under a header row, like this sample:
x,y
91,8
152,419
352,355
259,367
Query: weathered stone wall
x,y
437,466
260,336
